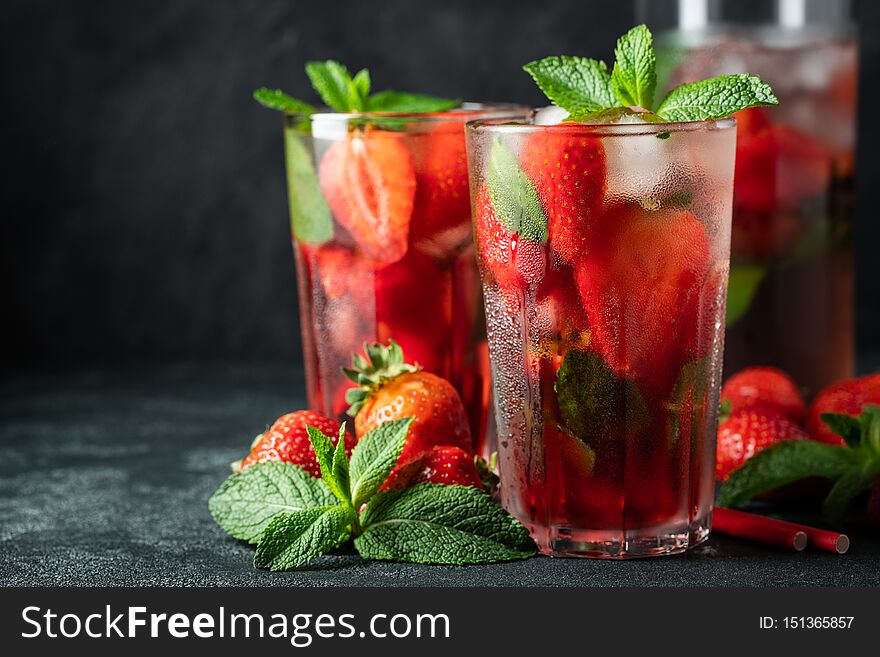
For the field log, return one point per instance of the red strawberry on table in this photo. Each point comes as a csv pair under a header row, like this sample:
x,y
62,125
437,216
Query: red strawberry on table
x,y
288,442
444,464
568,172
641,284
778,167
369,182
846,397
747,432
388,389
512,261
767,387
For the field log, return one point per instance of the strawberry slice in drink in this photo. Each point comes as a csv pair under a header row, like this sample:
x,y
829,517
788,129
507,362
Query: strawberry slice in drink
x,y
641,286
568,172
778,167
442,201
369,182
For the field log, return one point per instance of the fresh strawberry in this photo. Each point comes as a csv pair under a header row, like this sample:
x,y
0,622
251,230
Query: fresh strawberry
x,y
513,262
288,442
444,464
768,387
442,198
747,432
642,286
779,167
846,397
369,182
389,389
568,172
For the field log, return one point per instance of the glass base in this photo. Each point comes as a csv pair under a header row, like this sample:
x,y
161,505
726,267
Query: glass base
x,y
655,541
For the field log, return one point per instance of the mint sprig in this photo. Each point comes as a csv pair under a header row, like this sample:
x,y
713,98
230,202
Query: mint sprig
x,y
853,467
634,76
433,523
295,518
584,88
246,503
342,92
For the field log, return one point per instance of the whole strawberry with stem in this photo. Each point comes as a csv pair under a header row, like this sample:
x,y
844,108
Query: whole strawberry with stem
x,y
388,388
287,441
767,387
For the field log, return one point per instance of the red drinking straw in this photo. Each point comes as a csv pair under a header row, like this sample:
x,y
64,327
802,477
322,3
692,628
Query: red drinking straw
x,y
777,532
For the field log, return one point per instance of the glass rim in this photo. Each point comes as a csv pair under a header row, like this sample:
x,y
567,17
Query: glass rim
x,y
466,111
496,125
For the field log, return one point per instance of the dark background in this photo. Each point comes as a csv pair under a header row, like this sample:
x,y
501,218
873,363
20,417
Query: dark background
x,y
143,196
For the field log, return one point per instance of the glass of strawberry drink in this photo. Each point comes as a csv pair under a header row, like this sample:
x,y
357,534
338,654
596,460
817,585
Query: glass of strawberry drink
x,y
791,278
386,249
603,237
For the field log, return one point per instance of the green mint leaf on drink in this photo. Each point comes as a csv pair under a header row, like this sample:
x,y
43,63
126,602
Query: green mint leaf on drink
x,y
715,98
310,218
245,503
374,457
333,83
294,538
594,403
584,88
432,523
341,92
513,195
278,100
396,101
577,84
634,75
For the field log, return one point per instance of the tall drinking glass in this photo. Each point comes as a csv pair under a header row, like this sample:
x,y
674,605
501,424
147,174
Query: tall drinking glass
x,y
604,253
791,278
383,245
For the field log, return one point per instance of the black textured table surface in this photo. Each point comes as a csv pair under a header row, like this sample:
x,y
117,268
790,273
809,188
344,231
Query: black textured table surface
x,y
105,475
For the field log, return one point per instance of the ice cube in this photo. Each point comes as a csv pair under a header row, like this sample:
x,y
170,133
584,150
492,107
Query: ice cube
x,y
550,115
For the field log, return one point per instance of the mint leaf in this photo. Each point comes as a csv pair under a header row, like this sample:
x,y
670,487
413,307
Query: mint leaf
x,y
334,85
245,503
396,101
278,100
594,404
848,487
340,465
741,289
715,98
294,538
375,456
784,463
513,195
688,402
310,219
361,82
324,451
577,84
433,523
634,76
847,427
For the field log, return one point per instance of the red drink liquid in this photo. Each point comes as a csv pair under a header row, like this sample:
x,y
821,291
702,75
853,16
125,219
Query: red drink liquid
x,y
605,293
395,259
